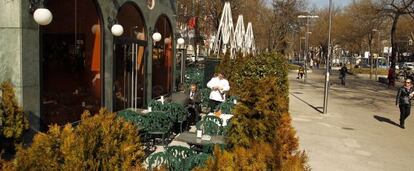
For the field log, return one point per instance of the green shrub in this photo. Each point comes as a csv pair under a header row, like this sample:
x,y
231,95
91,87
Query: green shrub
x,y
293,67
195,75
380,71
100,142
261,135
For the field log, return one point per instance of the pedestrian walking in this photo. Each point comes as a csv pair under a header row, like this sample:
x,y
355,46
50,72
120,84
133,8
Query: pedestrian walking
x,y
301,71
403,101
342,74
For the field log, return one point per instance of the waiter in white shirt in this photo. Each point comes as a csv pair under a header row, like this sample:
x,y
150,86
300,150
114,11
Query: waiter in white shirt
x,y
219,86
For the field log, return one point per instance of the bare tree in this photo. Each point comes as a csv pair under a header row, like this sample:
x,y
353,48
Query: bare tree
x,y
285,13
395,9
366,20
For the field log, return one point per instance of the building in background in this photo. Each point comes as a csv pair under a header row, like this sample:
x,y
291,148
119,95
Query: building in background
x,y
76,63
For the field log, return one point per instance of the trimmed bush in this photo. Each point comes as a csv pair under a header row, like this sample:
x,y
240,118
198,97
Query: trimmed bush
x,y
13,123
261,135
100,142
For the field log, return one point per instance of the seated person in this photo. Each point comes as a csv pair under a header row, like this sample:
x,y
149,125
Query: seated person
x,y
193,103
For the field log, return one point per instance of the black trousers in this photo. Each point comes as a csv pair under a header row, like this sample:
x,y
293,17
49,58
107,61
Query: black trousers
x,y
194,114
404,113
213,105
343,80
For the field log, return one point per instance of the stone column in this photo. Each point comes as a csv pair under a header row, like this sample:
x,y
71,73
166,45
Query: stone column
x,y
19,56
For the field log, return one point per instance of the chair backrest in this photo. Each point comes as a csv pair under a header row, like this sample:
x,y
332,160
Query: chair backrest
x,y
134,117
180,152
177,112
208,127
158,121
157,160
214,118
156,105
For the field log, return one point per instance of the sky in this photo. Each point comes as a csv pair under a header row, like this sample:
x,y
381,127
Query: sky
x,y
325,3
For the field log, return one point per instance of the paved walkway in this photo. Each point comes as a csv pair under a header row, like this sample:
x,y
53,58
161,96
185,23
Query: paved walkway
x,y
360,131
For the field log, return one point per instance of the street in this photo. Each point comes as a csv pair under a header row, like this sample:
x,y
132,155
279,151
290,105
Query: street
x,y
360,131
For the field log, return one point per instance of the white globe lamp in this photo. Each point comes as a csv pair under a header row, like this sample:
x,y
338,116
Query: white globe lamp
x,y
156,36
42,16
117,30
180,41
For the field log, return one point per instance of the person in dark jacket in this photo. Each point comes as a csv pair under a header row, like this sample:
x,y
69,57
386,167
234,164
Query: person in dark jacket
x,y
301,71
403,101
342,74
193,101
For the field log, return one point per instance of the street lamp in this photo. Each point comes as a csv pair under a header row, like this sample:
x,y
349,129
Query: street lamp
x,y
41,15
156,37
307,39
116,29
379,51
180,42
325,97
300,47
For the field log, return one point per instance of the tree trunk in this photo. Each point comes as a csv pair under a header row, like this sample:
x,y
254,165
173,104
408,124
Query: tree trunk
x,y
371,60
393,45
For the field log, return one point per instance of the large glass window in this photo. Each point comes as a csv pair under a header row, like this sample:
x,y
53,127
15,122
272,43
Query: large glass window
x,y
162,59
129,60
70,61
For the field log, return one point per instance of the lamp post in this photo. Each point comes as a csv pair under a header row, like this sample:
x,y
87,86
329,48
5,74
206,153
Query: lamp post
x,y
307,40
300,47
325,97
379,51
180,42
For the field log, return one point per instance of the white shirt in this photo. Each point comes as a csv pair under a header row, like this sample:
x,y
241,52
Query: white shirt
x,y
223,86
191,95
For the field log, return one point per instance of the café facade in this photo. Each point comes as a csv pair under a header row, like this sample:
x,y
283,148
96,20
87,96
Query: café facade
x,y
116,54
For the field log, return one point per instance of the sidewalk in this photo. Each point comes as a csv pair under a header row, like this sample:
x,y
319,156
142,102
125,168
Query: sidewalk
x,y
360,131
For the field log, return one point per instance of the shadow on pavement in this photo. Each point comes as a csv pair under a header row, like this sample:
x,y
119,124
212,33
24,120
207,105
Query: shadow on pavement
x,y
383,119
316,108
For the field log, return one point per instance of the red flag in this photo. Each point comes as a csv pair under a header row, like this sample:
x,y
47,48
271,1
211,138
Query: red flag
x,y
192,23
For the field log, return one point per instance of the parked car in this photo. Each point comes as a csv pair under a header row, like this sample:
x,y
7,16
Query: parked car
x,y
408,65
362,65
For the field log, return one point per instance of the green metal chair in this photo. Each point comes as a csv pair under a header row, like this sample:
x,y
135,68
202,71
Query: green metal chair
x,y
157,160
180,151
226,129
178,155
178,114
157,105
158,123
214,118
196,160
208,127
134,117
